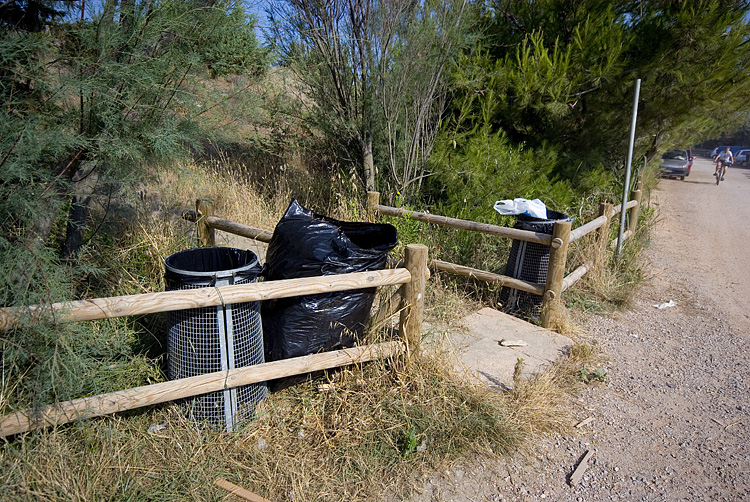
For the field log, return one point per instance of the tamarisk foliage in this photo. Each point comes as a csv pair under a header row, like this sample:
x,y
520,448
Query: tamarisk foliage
x,y
88,98
375,73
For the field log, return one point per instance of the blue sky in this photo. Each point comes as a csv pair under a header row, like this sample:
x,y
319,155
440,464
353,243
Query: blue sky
x,y
258,7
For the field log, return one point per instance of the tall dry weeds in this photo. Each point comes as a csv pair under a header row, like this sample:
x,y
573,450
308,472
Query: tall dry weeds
x,y
345,435
349,434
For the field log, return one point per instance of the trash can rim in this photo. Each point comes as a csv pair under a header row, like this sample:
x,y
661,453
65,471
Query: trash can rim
x,y
212,273
552,217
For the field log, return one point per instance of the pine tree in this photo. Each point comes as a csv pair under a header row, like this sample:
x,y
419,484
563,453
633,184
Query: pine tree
x,y
561,74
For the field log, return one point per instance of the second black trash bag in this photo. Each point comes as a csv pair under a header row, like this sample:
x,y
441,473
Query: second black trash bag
x,y
307,244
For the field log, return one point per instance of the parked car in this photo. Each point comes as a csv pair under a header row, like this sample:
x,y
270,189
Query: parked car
x,y
742,158
676,164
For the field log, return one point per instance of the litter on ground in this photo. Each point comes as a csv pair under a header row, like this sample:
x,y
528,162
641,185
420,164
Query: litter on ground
x,y
670,303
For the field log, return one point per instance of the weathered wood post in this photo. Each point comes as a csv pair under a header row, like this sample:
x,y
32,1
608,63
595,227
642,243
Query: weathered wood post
x,y
412,297
206,234
373,199
556,270
636,210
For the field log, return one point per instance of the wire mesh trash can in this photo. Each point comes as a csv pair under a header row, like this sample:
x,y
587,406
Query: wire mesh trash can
x,y
528,261
208,339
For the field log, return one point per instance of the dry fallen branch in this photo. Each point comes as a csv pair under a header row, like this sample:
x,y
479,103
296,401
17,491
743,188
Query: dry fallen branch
x,y
582,466
584,422
240,492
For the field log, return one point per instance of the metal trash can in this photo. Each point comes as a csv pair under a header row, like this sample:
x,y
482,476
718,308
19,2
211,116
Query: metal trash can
x,y
529,262
208,339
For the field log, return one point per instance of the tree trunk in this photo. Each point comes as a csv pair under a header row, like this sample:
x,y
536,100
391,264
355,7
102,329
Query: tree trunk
x,y
79,210
42,226
107,20
127,15
368,164
654,148
83,190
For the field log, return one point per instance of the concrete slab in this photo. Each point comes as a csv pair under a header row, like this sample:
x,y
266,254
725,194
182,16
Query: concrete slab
x,y
476,344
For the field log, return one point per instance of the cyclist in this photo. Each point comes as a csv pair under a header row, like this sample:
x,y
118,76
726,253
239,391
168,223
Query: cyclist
x,y
723,160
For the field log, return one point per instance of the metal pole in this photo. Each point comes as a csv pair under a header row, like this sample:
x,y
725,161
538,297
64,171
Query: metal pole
x,y
626,185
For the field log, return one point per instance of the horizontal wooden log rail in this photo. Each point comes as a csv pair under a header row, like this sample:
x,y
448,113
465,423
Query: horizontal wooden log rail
x,y
630,205
258,234
138,397
500,280
485,228
575,276
239,229
166,301
587,228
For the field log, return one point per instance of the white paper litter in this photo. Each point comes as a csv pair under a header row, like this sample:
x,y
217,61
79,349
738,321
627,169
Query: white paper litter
x,y
156,428
513,343
670,303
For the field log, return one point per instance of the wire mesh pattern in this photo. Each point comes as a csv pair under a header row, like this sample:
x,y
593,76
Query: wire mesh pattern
x,y
209,339
529,262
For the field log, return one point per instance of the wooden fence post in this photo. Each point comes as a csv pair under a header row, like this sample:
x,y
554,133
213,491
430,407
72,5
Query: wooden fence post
x,y
373,199
635,211
556,270
206,234
412,297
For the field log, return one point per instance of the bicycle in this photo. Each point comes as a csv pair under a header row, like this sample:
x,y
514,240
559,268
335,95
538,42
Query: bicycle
x,y
721,171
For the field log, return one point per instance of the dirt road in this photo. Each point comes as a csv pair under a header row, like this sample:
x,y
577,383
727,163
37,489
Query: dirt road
x,y
701,221
672,421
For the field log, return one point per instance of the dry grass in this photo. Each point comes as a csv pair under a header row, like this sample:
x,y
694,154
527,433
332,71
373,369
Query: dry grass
x,y
559,318
374,430
234,199
445,302
610,284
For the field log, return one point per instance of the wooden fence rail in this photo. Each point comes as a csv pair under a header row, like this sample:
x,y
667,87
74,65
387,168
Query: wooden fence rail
x,y
412,277
588,228
575,275
473,226
138,397
166,301
500,280
559,241
213,222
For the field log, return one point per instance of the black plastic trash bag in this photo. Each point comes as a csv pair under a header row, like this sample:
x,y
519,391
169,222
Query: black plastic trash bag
x,y
307,244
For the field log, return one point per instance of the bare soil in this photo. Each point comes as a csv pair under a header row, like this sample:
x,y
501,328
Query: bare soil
x,y
672,419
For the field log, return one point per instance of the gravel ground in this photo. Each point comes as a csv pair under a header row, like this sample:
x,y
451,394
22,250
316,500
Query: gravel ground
x,y
672,420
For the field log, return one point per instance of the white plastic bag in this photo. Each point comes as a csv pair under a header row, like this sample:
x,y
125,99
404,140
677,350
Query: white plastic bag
x,y
666,305
535,208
